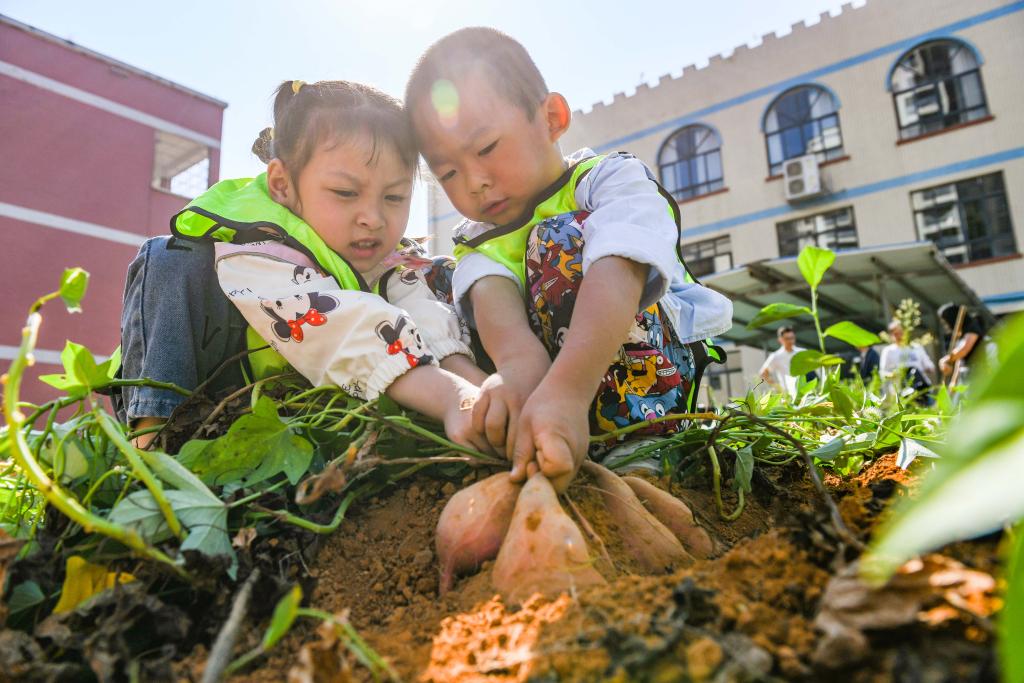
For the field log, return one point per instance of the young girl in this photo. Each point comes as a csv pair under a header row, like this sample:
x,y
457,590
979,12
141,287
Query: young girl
x,y
311,259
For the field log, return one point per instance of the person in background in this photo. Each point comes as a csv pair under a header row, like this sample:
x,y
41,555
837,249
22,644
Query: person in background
x,y
911,358
866,362
972,332
775,370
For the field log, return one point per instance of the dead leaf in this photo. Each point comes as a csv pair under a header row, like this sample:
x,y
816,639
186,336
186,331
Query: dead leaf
x,y
82,580
244,538
932,589
326,660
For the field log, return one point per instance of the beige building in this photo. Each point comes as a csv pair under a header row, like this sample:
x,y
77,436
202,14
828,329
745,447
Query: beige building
x,y
910,113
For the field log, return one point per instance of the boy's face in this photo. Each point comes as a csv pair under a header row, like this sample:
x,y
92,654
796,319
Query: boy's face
x,y
359,209
489,157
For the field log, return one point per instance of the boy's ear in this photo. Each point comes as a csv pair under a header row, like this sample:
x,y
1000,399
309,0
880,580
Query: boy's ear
x,y
557,115
279,183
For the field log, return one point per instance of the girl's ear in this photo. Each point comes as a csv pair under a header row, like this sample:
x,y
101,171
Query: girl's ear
x,y
557,115
279,184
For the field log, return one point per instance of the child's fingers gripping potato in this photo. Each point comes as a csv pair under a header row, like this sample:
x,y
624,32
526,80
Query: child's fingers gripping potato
x,y
552,435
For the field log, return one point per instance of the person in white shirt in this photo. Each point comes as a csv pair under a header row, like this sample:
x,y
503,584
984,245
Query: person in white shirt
x,y
775,370
912,358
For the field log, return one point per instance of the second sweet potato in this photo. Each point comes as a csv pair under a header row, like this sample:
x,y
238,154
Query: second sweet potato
x,y
648,540
674,514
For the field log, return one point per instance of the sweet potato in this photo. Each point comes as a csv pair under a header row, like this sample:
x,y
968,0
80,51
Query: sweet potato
x,y
544,551
674,514
648,540
472,526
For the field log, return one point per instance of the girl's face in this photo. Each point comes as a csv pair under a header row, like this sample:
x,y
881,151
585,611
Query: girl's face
x,y
359,209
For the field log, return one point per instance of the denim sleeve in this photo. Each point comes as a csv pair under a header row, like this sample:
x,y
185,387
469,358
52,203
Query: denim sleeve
x,y
176,325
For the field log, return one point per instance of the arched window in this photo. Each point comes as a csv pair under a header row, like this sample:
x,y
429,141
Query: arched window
x,y
937,85
803,120
690,162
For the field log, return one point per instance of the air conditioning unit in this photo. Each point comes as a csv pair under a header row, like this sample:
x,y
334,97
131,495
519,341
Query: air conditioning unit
x,y
802,178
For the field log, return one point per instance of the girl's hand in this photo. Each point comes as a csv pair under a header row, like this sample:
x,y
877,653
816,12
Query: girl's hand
x,y
458,418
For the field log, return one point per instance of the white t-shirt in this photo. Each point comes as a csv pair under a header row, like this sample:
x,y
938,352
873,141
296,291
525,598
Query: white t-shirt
x,y
895,357
777,365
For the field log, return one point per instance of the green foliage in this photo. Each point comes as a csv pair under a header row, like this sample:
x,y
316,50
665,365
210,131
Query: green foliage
x,y
813,262
73,284
776,312
744,468
284,616
82,373
853,334
257,447
829,451
1011,622
810,360
974,487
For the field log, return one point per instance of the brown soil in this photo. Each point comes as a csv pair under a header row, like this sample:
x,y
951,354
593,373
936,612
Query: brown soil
x,y
746,614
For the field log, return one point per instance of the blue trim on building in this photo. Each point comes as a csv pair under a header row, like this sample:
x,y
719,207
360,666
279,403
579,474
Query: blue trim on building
x,y
809,84
1004,298
901,46
860,191
956,39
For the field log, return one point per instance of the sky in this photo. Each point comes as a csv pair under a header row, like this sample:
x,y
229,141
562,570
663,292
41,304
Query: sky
x,y
238,51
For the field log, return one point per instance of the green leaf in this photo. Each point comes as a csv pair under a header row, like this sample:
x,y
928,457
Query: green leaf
x,y
25,596
284,615
841,401
110,366
853,334
1011,620
174,473
256,447
72,288
910,450
205,517
829,451
775,312
744,468
959,499
810,360
813,262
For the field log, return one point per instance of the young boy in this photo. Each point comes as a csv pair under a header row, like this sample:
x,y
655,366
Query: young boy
x,y
590,242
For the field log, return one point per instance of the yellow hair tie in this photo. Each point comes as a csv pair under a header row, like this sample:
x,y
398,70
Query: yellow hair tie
x,y
296,86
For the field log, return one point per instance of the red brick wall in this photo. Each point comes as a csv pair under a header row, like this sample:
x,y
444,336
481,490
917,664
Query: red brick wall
x,y
68,158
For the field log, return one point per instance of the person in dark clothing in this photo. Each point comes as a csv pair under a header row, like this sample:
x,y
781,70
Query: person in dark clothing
x,y
970,341
866,362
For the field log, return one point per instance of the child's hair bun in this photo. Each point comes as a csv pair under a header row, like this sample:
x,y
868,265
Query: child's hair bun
x,y
264,145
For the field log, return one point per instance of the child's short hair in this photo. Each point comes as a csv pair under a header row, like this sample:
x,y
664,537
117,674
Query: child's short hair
x,y
513,73
307,113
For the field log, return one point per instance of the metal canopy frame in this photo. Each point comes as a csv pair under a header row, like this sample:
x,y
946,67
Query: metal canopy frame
x,y
863,285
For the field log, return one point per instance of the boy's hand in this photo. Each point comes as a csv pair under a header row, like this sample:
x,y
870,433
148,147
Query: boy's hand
x,y
502,396
552,435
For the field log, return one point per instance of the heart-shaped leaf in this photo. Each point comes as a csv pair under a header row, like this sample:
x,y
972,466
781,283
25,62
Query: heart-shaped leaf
x,y
813,262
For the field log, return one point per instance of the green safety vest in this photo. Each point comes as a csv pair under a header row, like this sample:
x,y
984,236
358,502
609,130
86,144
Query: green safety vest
x,y
242,211
506,244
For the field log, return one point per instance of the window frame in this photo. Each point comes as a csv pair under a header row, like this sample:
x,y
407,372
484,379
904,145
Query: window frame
x,y
989,238
694,189
963,116
714,242
818,234
823,155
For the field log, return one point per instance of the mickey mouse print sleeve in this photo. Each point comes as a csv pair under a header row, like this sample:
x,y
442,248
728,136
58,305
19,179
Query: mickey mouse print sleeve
x,y
330,335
